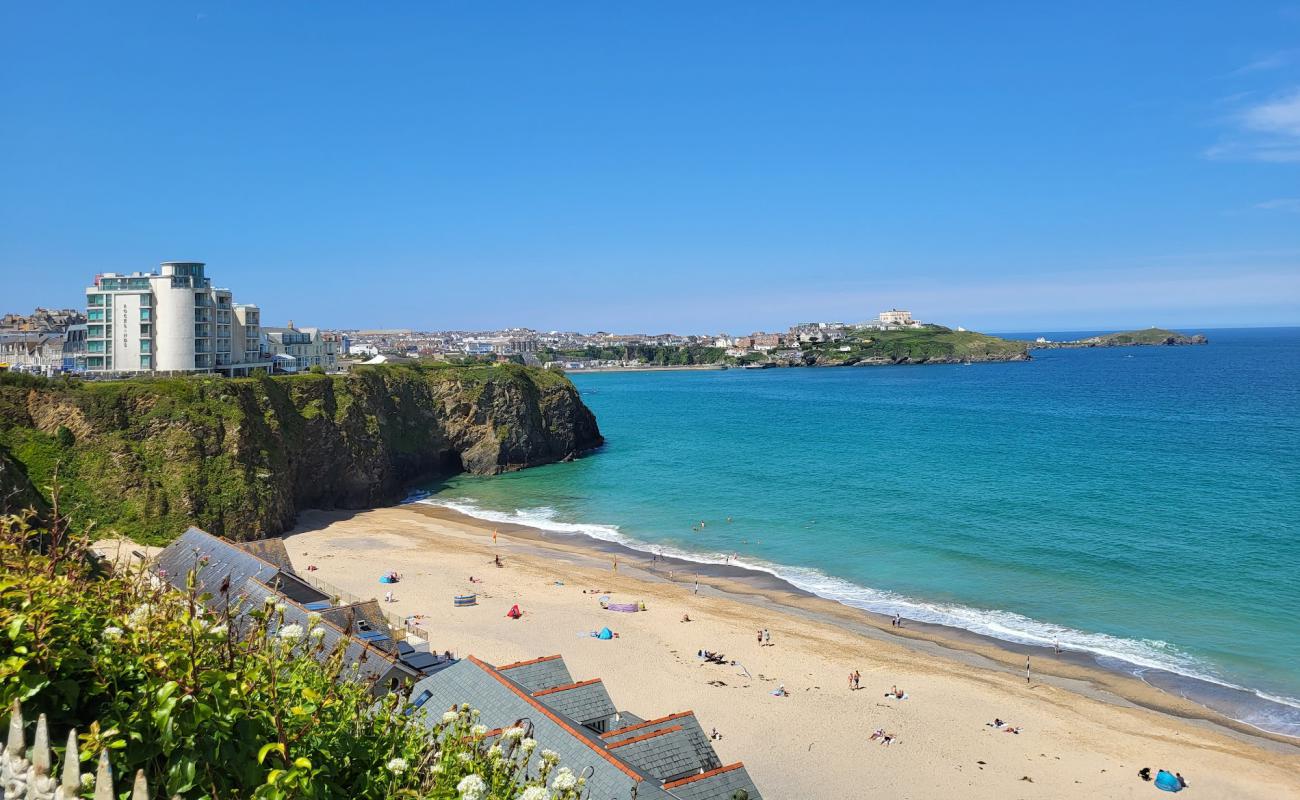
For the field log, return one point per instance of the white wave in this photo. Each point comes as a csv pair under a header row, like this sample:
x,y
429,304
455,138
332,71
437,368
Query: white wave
x,y
1004,625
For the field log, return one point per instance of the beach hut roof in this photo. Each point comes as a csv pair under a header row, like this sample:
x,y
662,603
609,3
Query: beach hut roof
x,y
690,726
665,753
226,564
502,702
539,673
586,701
717,784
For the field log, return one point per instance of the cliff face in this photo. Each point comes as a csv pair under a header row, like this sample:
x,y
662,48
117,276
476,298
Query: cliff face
x,y
241,457
1153,337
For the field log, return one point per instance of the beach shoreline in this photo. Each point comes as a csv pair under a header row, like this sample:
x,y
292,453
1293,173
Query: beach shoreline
x,y
918,654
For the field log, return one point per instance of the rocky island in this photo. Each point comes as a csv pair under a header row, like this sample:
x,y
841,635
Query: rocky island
x,y
1145,337
929,344
240,457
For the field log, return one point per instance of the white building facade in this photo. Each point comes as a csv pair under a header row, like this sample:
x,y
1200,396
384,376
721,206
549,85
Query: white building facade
x,y
173,320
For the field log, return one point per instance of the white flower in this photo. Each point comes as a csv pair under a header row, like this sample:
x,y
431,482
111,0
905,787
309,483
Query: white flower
x,y
281,608
137,617
464,757
471,787
550,755
473,712
217,630
494,752
112,632
313,617
510,734
397,766
449,717
528,745
291,633
536,793
564,780
436,769
270,600
316,632
478,730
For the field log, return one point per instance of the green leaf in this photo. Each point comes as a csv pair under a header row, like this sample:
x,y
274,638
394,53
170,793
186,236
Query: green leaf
x,y
267,748
16,626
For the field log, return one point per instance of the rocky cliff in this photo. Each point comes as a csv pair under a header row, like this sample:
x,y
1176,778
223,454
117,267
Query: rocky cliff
x,y
241,457
1152,337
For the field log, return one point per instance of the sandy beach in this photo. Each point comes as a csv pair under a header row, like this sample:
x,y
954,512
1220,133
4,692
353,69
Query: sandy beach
x,y
1084,732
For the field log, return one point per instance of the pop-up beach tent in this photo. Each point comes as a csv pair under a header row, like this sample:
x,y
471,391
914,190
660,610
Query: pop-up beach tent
x,y
1168,781
605,633
514,612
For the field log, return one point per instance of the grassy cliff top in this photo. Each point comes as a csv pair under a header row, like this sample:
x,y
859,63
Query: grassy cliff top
x,y
1143,336
930,341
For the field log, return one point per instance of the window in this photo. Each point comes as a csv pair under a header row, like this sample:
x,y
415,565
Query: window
x,y
95,347
146,346
146,314
146,362
95,315
95,331
146,329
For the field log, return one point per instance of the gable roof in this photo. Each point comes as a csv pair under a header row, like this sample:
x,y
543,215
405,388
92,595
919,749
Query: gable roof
x,y
502,702
270,550
539,673
665,753
585,701
708,758
370,662
217,563
364,620
717,784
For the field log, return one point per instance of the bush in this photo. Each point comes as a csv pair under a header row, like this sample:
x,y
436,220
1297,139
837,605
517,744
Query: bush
x,y
223,706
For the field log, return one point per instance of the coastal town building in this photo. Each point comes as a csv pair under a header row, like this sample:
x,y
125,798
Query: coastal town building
x,y
173,320
623,754
42,320
293,349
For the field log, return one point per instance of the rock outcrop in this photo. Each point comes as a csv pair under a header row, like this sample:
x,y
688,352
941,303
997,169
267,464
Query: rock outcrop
x,y
241,457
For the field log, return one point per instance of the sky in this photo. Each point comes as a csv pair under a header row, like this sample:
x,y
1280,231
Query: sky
x,y
662,166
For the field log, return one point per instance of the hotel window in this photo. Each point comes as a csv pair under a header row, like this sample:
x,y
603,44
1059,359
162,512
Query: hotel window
x,y
146,346
95,315
146,329
146,314
146,362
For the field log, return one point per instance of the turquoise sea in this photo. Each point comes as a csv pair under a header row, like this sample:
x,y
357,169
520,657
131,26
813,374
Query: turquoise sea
x,y
1141,505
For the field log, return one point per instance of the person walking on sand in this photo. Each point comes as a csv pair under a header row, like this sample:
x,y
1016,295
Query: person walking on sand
x,y
615,565
1027,681
760,637
1057,646
767,638
857,679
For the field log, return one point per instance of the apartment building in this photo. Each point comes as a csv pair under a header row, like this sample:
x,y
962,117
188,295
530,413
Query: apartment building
x,y
172,320
295,349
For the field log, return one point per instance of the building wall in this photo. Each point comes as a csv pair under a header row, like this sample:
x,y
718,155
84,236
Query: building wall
x,y
174,326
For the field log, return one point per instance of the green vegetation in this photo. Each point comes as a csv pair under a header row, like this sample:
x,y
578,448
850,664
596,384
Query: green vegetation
x,y
1147,336
223,706
148,457
930,343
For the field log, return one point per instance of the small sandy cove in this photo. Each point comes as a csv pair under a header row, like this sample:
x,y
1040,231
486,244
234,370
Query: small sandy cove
x,y
1077,739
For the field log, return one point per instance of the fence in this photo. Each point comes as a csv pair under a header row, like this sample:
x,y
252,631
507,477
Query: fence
x,y
28,774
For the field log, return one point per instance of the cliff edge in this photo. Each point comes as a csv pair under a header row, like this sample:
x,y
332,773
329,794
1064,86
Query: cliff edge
x,y
240,457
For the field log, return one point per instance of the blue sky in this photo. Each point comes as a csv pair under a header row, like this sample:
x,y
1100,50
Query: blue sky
x,y
662,166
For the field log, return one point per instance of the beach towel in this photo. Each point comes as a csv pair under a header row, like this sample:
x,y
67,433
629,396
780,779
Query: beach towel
x,y
514,612
386,579
1168,782
605,633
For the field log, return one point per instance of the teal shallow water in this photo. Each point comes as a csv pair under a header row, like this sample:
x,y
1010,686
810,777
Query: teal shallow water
x,y
1138,504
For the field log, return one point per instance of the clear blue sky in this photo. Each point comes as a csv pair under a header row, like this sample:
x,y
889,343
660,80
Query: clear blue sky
x,y
662,165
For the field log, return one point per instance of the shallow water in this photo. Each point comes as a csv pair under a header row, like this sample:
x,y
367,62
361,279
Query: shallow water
x,y
1139,504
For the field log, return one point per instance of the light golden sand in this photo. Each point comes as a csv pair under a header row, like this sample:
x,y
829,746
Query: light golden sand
x,y
1079,739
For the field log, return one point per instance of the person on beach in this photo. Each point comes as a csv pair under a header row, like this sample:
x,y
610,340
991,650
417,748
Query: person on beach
x,y
1027,681
686,617
857,679
497,560
760,637
1057,646
767,638
615,565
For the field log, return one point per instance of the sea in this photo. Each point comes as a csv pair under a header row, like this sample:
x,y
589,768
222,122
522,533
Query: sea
x,y
1140,506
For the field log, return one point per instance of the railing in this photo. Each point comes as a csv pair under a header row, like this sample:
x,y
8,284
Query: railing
x,y
28,774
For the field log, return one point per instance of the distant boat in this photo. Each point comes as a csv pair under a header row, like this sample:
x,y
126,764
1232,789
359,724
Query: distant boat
x,y
966,363
763,365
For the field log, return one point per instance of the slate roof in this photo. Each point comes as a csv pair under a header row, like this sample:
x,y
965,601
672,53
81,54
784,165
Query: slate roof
x,y
227,565
718,784
585,701
272,550
539,673
365,619
690,727
502,702
664,754
370,662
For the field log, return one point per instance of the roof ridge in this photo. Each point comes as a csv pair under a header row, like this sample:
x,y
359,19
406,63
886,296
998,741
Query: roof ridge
x,y
564,687
235,545
506,682
703,775
643,737
647,723
505,667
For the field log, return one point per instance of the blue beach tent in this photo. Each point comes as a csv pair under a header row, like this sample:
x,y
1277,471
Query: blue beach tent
x,y
605,633
1168,782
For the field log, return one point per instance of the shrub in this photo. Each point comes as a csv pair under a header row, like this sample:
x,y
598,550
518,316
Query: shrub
x,y
225,706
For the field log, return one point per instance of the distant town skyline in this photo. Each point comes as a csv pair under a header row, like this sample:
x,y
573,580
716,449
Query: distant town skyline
x,y
680,168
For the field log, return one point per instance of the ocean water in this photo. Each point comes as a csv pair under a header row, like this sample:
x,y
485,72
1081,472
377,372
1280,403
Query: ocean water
x,y
1141,505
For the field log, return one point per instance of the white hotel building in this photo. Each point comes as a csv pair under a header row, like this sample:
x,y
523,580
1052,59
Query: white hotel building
x,y
169,321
